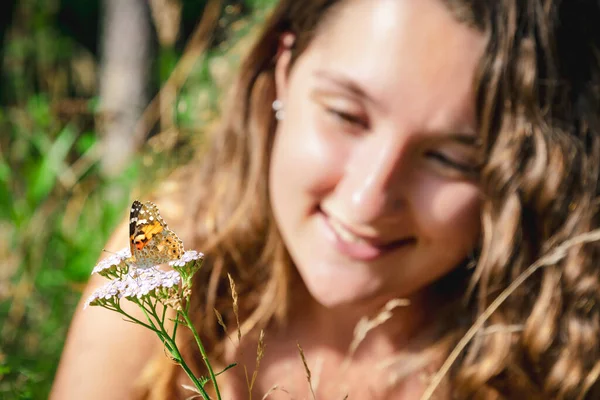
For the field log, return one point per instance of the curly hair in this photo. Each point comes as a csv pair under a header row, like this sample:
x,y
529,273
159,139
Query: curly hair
x,y
538,110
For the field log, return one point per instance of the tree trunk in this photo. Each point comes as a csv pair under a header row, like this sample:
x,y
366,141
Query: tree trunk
x,y
123,80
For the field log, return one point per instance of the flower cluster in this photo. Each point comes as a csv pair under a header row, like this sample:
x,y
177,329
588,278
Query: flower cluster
x,y
150,282
187,265
188,256
127,281
114,265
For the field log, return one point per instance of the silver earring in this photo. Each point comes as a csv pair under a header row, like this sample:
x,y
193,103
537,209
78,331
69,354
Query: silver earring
x,y
278,108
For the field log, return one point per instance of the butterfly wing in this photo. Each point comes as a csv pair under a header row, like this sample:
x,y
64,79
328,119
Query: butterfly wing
x,y
151,242
136,207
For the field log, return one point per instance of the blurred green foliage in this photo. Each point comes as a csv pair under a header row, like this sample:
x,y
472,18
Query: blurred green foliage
x,y
56,209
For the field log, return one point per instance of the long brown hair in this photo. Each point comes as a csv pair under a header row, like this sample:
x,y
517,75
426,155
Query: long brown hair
x,y
538,103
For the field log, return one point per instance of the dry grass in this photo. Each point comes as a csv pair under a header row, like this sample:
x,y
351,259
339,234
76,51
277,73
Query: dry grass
x,y
234,296
366,325
273,389
222,324
260,352
260,349
307,370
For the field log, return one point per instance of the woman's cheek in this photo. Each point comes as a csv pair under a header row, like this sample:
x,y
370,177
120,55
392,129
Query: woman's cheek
x,y
450,208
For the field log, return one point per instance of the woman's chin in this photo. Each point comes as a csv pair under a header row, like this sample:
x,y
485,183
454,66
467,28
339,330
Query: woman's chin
x,y
332,289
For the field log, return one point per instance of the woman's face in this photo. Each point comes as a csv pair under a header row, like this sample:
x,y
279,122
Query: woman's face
x,y
372,178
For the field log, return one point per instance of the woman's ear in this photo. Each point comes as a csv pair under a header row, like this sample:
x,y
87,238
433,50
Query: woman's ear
x,y
283,63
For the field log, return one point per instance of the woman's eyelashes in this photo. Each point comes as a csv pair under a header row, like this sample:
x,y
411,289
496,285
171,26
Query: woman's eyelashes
x,y
349,118
456,166
340,111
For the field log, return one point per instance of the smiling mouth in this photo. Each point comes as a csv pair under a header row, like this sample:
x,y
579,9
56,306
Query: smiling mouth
x,y
357,246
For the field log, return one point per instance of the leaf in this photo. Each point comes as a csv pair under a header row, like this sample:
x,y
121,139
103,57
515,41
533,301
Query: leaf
x,y
44,176
226,368
4,172
85,142
5,369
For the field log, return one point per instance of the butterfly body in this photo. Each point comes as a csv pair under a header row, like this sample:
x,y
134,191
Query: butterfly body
x,y
151,241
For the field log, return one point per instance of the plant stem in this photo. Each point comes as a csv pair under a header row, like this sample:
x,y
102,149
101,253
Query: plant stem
x,y
162,333
182,362
187,369
203,352
137,321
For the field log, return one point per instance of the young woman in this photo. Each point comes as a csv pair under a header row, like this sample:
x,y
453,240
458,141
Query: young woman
x,y
425,150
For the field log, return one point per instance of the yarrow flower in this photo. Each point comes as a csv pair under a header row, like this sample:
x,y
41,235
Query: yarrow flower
x,y
105,294
187,265
149,282
138,282
188,256
111,265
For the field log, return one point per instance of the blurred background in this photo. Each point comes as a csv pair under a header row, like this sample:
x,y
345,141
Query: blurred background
x,y
99,99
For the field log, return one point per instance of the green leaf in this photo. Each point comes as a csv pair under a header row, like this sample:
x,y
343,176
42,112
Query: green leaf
x,y
6,201
226,368
4,172
85,142
204,380
45,173
4,370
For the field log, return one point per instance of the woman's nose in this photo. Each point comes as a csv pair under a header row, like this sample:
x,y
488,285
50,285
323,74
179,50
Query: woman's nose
x,y
374,184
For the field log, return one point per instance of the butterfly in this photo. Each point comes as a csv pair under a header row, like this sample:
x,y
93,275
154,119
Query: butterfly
x,y
150,240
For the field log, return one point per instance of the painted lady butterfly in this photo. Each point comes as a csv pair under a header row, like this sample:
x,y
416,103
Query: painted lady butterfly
x,y
150,240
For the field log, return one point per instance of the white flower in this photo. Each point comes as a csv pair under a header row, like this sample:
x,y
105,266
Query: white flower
x,y
111,261
189,255
147,281
111,290
143,283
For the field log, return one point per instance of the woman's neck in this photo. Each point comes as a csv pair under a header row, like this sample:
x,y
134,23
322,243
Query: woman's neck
x,y
371,327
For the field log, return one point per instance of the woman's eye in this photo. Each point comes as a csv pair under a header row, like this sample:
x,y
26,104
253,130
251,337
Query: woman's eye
x,y
347,117
461,167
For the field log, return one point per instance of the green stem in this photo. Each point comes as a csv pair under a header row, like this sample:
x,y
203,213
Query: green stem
x,y
144,309
179,358
203,352
137,321
164,314
164,335
188,371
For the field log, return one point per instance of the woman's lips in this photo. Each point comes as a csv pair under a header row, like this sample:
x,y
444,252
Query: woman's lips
x,y
355,246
